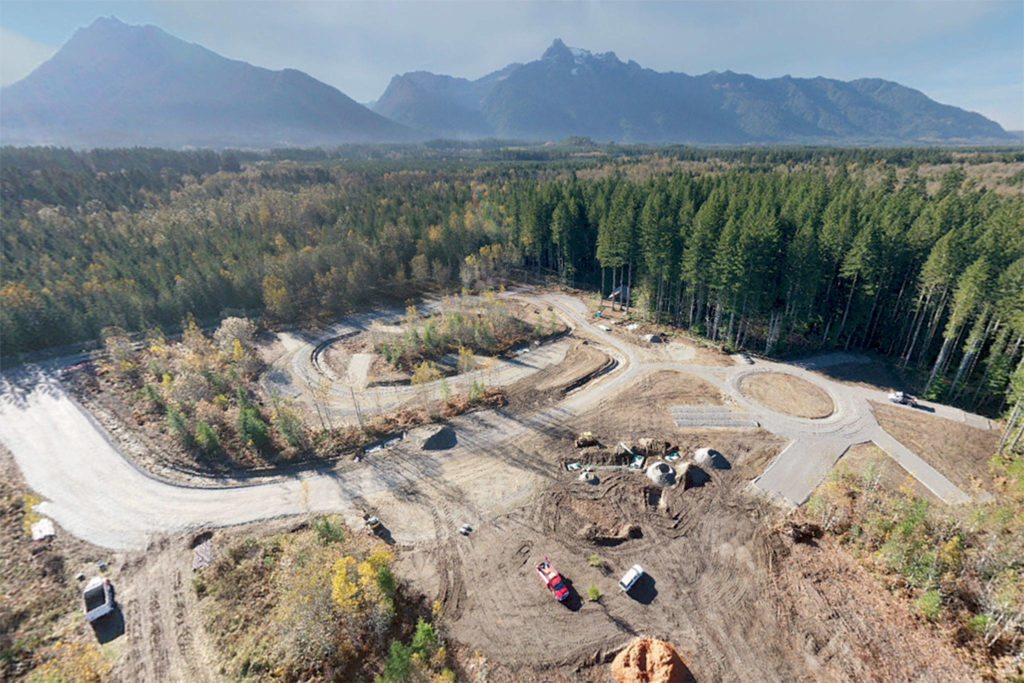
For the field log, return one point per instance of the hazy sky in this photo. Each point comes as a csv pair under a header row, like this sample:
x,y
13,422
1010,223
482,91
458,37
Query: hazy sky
x,y
970,54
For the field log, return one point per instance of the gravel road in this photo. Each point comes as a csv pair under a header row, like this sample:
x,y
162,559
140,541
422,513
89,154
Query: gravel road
x,y
95,494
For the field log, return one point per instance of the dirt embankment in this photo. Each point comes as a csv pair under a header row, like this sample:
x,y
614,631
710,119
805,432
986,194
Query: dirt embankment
x,y
647,660
583,362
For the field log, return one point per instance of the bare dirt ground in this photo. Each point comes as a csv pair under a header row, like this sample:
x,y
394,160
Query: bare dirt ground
x,y
651,395
788,395
675,345
583,361
712,356
737,602
164,634
956,450
40,600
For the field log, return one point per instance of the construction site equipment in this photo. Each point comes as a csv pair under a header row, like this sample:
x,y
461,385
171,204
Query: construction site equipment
x,y
586,439
552,579
373,524
98,597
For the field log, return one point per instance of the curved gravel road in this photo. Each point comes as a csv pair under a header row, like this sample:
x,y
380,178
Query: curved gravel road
x,y
93,492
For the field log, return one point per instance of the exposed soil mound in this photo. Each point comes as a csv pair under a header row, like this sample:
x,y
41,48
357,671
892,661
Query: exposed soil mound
x,y
599,536
596,455
441,440
662,474
646,660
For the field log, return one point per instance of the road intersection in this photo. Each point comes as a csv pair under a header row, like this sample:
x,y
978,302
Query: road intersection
x,y
95,493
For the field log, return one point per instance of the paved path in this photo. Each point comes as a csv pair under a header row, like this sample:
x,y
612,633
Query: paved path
x,y
94,493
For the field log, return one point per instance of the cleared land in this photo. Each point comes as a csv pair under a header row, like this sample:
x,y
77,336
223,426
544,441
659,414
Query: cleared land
x,y
958,451
583,362
865,458
41,623
788,395
738,601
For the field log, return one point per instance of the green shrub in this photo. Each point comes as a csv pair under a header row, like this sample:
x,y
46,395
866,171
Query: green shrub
x,y
177,424
252,428
930,605
386,583
425,641
980,623
291,427
152,394
328,531
398,667
594,593
206,437
595,561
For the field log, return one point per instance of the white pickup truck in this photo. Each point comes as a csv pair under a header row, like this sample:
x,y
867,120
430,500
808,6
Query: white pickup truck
x,y
903,398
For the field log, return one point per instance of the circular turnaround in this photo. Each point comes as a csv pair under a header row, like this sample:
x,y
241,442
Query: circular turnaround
x,y
788,395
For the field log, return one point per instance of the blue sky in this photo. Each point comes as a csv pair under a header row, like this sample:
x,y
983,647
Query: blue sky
x,y
969,54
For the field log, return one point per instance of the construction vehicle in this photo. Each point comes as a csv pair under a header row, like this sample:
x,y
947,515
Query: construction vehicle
x,y
586,439
373,524
552,579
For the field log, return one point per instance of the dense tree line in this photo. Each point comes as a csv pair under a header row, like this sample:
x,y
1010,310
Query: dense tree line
x,y
775,250
769,261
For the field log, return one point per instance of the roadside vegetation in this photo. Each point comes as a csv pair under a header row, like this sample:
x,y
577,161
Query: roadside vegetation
x,y
202,391
962,568
483,326
329,606
43,636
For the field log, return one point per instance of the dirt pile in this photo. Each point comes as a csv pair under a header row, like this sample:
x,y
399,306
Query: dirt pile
x,y
595,534
595,455
441,440
662,474
801,532
646,660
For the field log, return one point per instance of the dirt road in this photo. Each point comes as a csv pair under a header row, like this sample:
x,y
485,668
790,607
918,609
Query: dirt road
x,y
95,494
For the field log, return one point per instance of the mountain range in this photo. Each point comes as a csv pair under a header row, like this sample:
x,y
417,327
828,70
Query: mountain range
x,y
570,91
116,85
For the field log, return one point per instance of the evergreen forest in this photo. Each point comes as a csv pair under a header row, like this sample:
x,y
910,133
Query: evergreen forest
x,y
781,252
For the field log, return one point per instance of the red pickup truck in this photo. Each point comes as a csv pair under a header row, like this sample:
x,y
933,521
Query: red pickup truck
x,y
552,579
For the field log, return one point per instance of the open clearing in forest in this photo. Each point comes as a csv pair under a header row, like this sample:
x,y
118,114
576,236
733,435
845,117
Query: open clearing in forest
x,y
788,395
871,461
958,450
736,600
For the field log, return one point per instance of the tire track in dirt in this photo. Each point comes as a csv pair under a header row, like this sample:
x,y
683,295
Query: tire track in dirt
x,y
164,636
